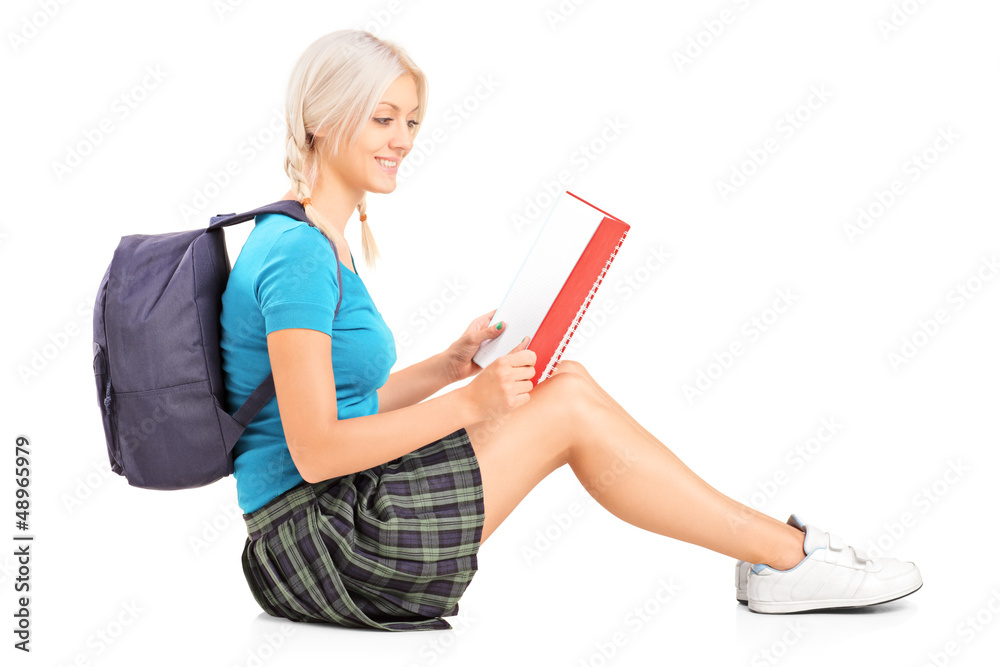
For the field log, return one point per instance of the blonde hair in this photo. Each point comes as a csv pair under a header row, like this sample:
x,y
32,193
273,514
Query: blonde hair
x,y
336,86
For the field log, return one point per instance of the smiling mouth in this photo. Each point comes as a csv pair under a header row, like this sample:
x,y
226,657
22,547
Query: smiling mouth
x,y
388,164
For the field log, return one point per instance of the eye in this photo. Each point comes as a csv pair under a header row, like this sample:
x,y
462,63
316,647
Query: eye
x,y
385,122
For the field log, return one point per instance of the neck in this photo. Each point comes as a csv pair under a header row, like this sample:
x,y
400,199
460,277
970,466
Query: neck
x,y
334,200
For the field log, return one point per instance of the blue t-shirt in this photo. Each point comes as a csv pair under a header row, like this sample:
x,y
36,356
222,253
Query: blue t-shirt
x,y
286,278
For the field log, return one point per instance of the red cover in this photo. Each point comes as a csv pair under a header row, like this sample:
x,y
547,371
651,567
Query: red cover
x,y
576,294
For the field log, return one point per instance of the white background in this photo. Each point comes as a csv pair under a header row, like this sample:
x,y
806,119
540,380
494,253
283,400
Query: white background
x,y
893,75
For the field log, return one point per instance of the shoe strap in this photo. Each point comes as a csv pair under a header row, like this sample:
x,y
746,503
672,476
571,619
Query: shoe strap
x,y
836,543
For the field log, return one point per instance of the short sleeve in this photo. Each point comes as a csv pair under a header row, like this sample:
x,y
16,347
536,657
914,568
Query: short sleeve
x,y
297,286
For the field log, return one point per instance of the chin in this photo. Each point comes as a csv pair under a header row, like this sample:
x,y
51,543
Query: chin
x,y
384,189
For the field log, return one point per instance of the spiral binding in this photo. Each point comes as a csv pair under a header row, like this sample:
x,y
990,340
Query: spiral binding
x,y
579,314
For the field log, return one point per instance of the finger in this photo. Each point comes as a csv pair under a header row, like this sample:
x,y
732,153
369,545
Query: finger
x,y
482,320
523,357
521,390
524,374
493,331
522,345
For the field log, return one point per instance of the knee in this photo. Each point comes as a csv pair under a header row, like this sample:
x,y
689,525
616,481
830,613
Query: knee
x,y
588,388
574,394
571,366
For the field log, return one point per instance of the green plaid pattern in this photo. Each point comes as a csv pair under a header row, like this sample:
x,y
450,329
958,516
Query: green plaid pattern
x,y
392,548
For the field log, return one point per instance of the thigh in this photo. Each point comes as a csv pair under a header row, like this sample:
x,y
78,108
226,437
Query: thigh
x,y
519,450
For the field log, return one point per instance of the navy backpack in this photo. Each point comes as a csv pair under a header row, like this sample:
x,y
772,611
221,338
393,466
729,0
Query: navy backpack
x,y
157,356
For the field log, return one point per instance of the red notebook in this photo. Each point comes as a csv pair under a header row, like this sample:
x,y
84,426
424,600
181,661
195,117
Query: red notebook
x,y
556,283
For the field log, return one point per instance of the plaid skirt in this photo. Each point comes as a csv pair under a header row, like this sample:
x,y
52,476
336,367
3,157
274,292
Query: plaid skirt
x,y
390,548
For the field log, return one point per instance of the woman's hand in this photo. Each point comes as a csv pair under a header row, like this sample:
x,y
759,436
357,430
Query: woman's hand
x,y
458,356
503,386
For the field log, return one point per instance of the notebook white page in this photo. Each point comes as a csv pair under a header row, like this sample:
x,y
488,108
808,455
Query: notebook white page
x,y
562,239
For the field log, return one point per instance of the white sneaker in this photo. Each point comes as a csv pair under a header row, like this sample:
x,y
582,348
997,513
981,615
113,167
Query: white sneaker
x,y
743,567
832,575
742,570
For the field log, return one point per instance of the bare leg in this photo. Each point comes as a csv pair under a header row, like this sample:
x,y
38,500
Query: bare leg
x,y
571,419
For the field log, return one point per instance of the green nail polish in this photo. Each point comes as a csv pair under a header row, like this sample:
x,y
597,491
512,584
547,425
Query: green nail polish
x,y
499,324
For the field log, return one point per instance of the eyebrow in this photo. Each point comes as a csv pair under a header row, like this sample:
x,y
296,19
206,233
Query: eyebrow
x,y
396,108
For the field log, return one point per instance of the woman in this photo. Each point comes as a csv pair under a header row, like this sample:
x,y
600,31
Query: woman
x,y
365,504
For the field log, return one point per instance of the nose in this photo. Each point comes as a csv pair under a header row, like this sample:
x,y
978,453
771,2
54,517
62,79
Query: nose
x,y
402,138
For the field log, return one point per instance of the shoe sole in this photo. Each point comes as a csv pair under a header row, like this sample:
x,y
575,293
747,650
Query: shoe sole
x,y
814,605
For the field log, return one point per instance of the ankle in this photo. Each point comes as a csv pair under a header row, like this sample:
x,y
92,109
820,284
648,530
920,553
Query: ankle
x,y
792,554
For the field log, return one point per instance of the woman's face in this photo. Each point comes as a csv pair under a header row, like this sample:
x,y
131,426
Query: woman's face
x,y
370,164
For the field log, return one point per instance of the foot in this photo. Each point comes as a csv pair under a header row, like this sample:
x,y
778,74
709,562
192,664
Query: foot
x,y
743,567
832,575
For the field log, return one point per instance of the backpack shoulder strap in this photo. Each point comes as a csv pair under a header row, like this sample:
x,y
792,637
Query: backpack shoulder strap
x,y
265,390
292,209
289,207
